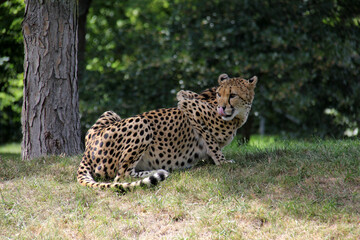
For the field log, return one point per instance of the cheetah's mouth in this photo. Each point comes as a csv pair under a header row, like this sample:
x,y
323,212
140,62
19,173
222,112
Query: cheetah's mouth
x,y
225,116
228,117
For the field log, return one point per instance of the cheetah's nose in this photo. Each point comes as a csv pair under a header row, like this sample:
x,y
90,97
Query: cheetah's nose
x,y
220,111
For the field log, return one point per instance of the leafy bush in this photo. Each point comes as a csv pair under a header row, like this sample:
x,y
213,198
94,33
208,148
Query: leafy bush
x,y
306,54
139,53
11,68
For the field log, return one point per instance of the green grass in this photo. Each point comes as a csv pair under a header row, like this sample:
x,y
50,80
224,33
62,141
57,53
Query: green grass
x,y
10,148
277,189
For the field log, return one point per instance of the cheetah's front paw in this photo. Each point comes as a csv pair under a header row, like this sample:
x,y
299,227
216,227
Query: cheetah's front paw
x,y
229,161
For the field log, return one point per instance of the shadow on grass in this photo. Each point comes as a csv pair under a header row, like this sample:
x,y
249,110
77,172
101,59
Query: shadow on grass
x,y
321,182
10,156
307,183
13,167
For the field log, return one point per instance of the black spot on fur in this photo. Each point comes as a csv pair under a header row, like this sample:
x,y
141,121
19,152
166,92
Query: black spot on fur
x,y
153,180
162,176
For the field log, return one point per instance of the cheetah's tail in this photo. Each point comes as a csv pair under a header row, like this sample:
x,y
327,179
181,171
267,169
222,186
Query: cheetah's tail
x,y
85,178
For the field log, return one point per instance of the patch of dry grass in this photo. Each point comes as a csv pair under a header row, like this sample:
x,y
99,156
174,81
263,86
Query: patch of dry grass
x,y
295,190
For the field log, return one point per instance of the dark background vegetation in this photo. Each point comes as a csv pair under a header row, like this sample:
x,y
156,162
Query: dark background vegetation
x,y
139,53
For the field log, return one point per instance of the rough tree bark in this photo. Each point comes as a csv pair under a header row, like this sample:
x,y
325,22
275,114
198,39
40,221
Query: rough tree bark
x,y
50,113
84,6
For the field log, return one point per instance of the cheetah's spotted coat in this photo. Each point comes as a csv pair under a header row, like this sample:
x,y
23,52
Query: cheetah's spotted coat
x,y
153,143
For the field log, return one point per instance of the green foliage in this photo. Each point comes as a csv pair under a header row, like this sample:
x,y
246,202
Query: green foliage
x,y
139,53
129,66
306,54
11,68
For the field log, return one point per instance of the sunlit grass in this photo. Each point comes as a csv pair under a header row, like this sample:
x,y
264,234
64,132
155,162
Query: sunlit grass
x,y
276,189
256,142
13,148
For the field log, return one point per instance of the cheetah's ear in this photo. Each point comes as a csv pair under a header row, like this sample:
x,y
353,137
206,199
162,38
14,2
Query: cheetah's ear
x,y
223,77
253,81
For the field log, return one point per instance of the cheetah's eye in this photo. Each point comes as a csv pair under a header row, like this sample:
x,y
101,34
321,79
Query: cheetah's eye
x,y
232,95
218,94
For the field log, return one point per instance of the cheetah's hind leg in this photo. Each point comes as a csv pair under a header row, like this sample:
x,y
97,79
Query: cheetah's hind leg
x,y
128,169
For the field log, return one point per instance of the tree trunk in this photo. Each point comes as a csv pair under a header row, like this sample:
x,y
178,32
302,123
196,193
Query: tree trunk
x,y
50,113
84,6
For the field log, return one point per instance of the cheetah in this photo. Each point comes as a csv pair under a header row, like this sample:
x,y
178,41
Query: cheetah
x,y
152,144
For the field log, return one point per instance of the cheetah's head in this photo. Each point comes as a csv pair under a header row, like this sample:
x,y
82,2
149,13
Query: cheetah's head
x,y
234,96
